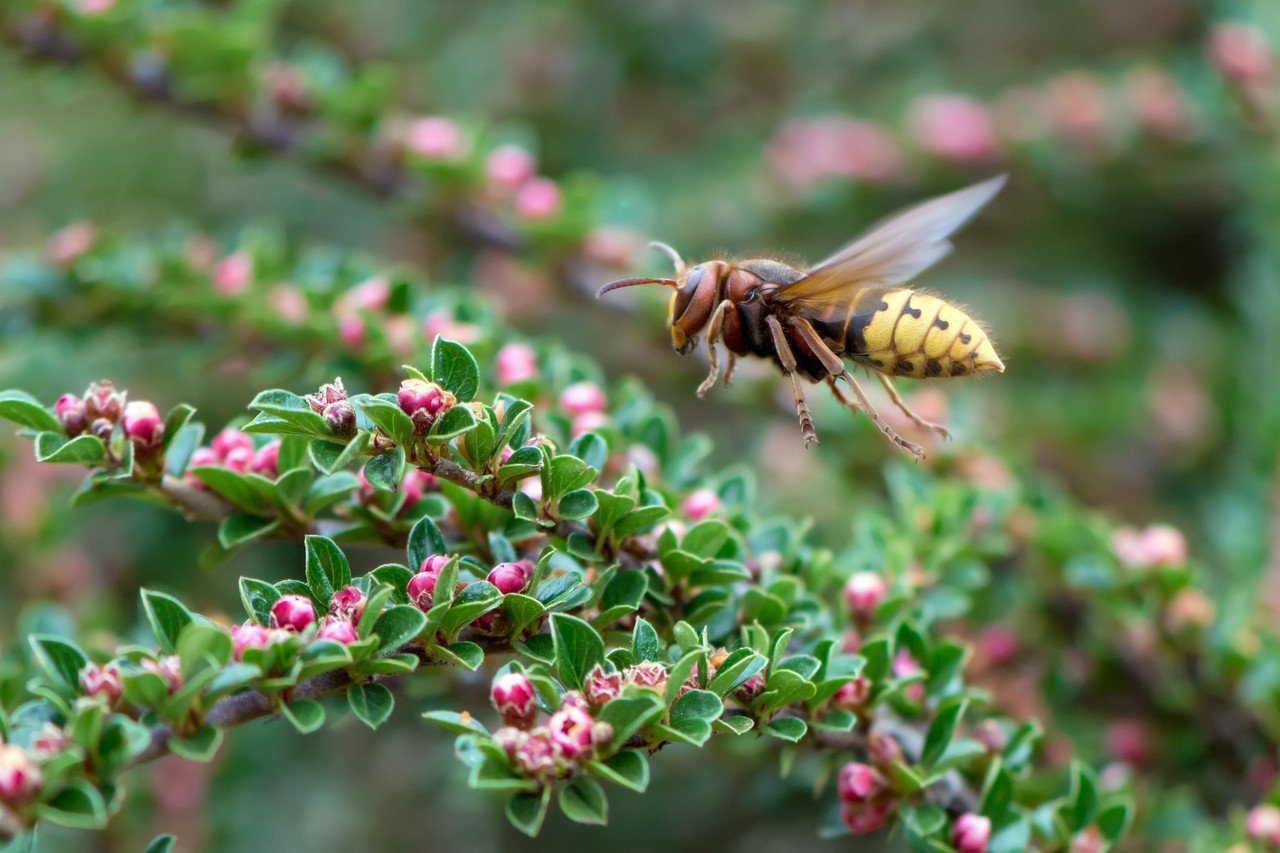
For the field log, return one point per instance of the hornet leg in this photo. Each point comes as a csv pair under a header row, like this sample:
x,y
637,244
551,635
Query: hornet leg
x,y
713,336
835,366
788,359
906,410
728,371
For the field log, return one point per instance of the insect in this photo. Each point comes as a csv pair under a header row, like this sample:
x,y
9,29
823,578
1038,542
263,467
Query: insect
x,y
852,305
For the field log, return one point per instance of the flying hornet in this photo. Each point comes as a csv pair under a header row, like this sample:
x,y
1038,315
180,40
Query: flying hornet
x,y
853,305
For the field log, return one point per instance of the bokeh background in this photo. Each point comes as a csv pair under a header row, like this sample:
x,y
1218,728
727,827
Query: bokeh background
x,y
1128,274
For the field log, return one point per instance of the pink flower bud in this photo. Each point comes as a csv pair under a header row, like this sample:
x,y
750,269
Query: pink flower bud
x,y
204,457
422,401
581,397
20,777
1165,545
249,636
351,331
970,833
571,730
509,166
532,486
905,666
508,578
573,699
861,818
538,199
102,400
238,459
69,410
347,603
289,303
230,439
1128,741
863,593
67,246
539,756
588,422
266,460
340,418
883,750
514,699
101,680
329,393
601,686
852,695
232,274
292,613
102,428
1241,53
748,690
699,504
338,629
648,674
143,425
999,644
515,363
509,738
168,667
422,587
435,138
94,7
857,782
954,128
369,295
1263,823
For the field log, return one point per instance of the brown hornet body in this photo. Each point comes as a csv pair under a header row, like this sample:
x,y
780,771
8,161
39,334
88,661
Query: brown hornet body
x,y
852,305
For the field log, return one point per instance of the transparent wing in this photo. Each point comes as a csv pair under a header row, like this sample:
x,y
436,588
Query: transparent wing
x,y
895,251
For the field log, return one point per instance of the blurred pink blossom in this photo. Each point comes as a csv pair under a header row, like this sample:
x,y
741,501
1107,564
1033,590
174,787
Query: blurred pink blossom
x,y
442,322
435,138
67,245
1241,53
289,303
538,199
805,151
232,274
515,362
510,166
953,127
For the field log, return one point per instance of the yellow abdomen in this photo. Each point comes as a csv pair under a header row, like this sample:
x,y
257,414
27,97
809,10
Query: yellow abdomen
x,y
905,333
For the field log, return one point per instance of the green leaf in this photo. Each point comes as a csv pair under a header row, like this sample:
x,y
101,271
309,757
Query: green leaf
x,y
398,625
640,519
425,540
705,538
628,768
472,602
200,745
161,844
167,616
233,486
630,714
450,425
78,805
327,568
622,595
61,658
941,730
388,417
306,715
397,577
328,490
180,446
371,702
292,409
645,644
791,729
456,723
386,471
330,457
1082,802
241,527
1114,820
578,647
454,369
81,450
584,801
740,665
466,655
522,611
527,811
579,503
25,410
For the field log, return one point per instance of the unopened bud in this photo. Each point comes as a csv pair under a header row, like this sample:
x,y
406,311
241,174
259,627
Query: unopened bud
x,y
238,459
266,461
292,613
509,738
699,504
1263,823
748,690
347,603
863,593
249,636
435,138
883,750
101,680
852,695
422,401
857,782
102,400
971,833
861,818
340,418
539,198
231,439
600,686
168,667
582,397
338,629
510,166
143,425
514,699
329,393
70,412
539,756
649,674
508,578
515,363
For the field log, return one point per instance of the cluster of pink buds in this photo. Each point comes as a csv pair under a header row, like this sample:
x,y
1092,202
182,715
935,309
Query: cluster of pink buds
x,y
168,668
865,800
1156,545
345,609
251,635
331,403
422,586
863,593
96,414
20,777
416,483
551,751
586,403
102,680
235,451
423,402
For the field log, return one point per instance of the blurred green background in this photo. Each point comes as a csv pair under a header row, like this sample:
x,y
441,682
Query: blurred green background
x,y
1127,274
